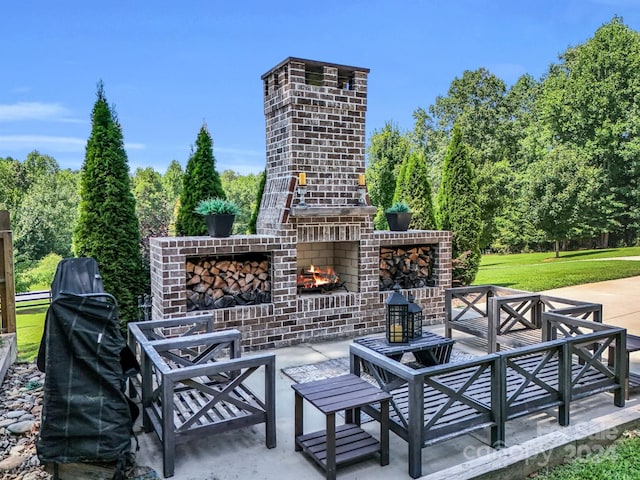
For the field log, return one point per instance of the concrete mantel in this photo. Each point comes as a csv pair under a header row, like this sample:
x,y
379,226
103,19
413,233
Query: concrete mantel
x,y
346,210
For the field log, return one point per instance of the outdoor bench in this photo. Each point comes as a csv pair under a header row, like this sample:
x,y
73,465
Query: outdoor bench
x,y
195,383
437,403
504,316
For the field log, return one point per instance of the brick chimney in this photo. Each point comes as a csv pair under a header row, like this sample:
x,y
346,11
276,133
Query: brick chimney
x,y
315,125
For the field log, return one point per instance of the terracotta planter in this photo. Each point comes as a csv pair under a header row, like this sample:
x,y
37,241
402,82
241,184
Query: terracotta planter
x,y
398,221
219,225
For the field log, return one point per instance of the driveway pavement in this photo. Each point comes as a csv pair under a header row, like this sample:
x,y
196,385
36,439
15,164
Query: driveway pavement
x,y
620,300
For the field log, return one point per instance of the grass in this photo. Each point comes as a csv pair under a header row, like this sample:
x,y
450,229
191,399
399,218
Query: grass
x,y
542,271
30,324
620,461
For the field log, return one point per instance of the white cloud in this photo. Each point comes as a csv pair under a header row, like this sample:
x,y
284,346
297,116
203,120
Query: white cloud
x,y
44,142
36,111
134,146
53,143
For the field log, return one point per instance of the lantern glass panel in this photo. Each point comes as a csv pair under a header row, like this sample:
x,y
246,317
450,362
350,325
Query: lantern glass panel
x,y
397,318
415,319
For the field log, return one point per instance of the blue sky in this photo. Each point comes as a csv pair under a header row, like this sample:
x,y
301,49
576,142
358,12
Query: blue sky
x,y
167,66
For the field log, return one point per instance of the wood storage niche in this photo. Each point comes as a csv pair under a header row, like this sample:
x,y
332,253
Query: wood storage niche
x,y
409,266
228,281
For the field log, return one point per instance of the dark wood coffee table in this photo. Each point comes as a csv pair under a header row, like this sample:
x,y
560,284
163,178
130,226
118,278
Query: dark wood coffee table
x,y
430,349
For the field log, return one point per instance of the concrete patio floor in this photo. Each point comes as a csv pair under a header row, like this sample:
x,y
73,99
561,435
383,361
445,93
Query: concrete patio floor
x,y
533,441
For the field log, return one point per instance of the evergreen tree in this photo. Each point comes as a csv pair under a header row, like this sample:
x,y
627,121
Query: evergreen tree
x,y
200,181
387,148
414,189
252,227
458,209
107,227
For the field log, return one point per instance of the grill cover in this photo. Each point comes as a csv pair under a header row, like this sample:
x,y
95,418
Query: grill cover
x,y
86,414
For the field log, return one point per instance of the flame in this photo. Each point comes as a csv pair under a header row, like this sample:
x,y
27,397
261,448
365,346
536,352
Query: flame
x,y
319,276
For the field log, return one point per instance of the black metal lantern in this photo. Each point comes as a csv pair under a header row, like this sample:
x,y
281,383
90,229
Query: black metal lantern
x,y
415,319
397,317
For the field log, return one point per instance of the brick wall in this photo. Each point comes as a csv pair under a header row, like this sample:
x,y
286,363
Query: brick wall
x,y
293,318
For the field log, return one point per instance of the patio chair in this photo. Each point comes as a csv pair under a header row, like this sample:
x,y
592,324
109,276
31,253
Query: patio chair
x,y
194,385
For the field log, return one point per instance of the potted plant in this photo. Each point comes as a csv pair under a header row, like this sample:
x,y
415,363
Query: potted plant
x,y
219,215
398,216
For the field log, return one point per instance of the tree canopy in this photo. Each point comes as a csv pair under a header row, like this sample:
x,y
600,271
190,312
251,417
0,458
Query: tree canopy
x,y
387,150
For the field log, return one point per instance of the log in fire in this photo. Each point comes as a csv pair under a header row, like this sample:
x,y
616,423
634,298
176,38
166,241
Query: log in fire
x,y
315,279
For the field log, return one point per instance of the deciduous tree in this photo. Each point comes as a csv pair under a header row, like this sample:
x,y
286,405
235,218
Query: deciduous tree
x,y
153,209
590,103
560,195
241,189
46,216
476,103
252,227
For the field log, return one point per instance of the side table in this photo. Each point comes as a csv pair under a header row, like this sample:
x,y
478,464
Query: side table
x,y
346,443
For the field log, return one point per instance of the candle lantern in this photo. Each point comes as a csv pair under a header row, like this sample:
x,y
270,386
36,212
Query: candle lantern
x,y
414,313
397,317
302,188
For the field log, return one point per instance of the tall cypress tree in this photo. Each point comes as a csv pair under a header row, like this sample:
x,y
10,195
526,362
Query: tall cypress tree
x,y
459,210
200,181
253,221
107,227
414,189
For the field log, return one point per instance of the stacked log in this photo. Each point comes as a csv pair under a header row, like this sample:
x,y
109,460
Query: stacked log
x,y
226,282
408,266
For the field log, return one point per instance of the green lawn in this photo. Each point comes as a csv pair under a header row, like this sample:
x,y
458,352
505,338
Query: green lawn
x,y
30,324
620,461
542,271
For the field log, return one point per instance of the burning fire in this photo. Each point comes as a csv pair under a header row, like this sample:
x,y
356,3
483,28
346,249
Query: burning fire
x,y
315,277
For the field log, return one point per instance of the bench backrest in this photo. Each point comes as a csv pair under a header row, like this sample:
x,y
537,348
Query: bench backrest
x,y
498,387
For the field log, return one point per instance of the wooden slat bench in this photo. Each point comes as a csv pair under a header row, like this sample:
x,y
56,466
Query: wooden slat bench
x,y
195,384
505,317
437,403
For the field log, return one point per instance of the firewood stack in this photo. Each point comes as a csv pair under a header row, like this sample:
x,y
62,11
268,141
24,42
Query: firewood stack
x,y
409,267
226,282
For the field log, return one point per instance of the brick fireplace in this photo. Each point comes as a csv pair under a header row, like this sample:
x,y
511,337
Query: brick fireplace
x,y
315,126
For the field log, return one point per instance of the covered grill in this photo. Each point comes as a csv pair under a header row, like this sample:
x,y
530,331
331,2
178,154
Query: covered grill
x,y
86,415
